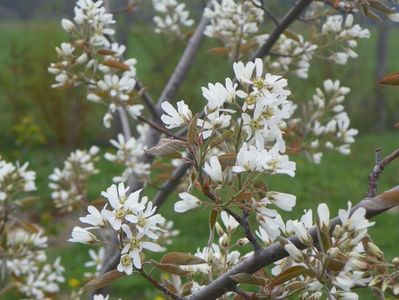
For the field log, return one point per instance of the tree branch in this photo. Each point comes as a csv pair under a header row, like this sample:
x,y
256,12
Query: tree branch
x,y
374,206
378,168
168,187
285,22
159,286
169,92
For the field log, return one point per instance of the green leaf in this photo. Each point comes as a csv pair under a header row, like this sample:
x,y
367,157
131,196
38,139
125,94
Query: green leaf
x,y
192,131
324,238
178,258
248,279
292,35
288,274
212,218
103,280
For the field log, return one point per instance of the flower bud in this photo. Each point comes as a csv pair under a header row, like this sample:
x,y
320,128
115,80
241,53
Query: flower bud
x,y
242,242
219,229
224,241
375,250
67,25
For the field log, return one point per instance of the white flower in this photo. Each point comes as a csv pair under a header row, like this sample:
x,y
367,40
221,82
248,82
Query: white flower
x,y
82,235
186,203
136,244
324,215
216,95
96,261
172,16
94,217
293,251
121,204
278,164
394,17
244,72
100,297
144,218
301,232
282,200
214,121
229,222
214,169
67,25
247,159
126,264
176,118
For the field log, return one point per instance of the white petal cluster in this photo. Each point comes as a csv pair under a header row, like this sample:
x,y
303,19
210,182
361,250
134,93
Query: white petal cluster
x,y
233,22
172,16
14,179
345,245
92,60
341,31
128,154
27,261
290,55
69,184
329,124
96,262
132,217
176,117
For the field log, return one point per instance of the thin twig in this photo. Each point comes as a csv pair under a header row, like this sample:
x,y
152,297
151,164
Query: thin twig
x,y
378,168
161,129
243,221
159,286
242,293
286,21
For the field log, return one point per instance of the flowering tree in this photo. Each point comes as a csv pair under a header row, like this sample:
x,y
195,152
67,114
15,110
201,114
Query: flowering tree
x,y
248,130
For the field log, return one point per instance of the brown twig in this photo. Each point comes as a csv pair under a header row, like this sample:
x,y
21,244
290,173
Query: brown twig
x,y
286,21
161,129
378,168
243,221
159,286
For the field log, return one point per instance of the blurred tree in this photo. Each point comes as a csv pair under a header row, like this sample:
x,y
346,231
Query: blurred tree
x,y
380,101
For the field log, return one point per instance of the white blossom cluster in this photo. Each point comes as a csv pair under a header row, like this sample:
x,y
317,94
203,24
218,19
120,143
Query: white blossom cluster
x,y
233,22
263,105
128,154
289,55
22,245
15,178
96,262
172,16
26,260
92,60
69,184
328,125
132,218
218,257
336,267
337,30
